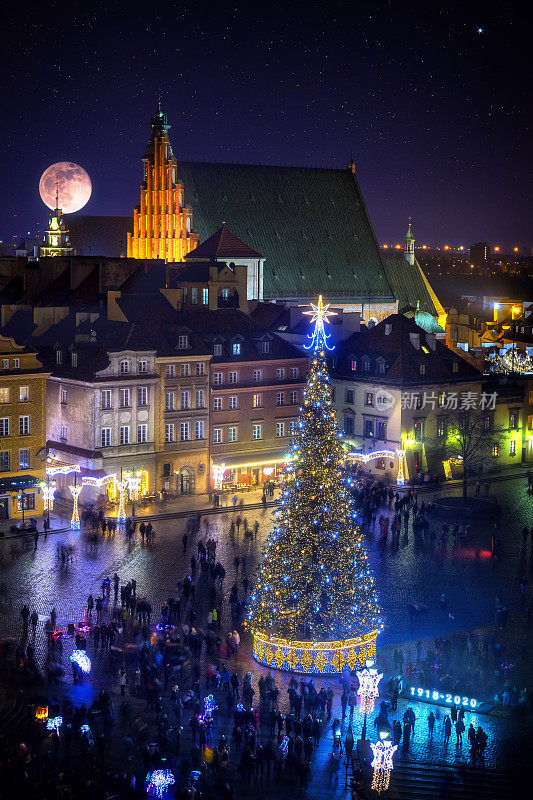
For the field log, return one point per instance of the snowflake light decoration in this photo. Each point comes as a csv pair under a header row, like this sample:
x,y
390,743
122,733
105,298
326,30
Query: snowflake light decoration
x,y
159,781
319,315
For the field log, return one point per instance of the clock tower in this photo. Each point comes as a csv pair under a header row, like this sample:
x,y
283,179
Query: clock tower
x,y
161,223
56,238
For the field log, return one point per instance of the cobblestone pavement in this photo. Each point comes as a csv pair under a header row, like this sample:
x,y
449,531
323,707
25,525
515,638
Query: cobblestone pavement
x,y
414,573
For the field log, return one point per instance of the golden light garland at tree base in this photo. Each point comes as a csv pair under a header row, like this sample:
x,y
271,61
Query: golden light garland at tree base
x,y
314,658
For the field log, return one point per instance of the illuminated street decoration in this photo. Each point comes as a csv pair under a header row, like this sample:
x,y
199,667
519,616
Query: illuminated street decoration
x,y
511,361
48,497
122,487
158,782
319,658
402,468
65,470
366,457
218,475
75,520
442,698
319,315
368,687
382,764
83,661
54,724
209,705
88,480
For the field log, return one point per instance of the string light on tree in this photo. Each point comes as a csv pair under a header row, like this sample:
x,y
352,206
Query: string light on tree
x,y
314,605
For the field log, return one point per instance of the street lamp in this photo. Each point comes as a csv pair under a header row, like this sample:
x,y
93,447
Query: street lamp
x,y
368,691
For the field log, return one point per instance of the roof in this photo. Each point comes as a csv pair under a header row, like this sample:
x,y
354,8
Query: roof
x,y
410,286
98,236
391,344
223,244
425,321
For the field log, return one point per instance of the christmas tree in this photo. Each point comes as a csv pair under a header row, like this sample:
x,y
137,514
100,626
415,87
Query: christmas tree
x,y
314,606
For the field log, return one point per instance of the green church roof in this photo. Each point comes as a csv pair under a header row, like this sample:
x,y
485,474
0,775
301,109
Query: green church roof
x,y
310,224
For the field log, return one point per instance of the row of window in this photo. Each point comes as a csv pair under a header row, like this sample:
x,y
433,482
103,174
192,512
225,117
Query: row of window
x,y
23,459
185,429
73,358
372,428
185,400
186,369
14,365
22,391
124,397
283,429
124,435
257,400
24,426
257,375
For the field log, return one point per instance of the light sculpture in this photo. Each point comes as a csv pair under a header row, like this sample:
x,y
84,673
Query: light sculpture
x,y
319,315
368,691
400,478
218,475
75,520
158,782
83,661
48,497
121,513
382,764
54,724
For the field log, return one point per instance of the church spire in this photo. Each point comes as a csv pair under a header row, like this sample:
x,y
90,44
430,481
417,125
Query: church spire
x,y
409,249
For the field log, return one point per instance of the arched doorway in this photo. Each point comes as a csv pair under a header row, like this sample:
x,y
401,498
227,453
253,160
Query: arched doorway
x,y
186,481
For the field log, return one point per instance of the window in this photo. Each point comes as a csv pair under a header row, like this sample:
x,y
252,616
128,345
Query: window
x,y
142,366
368,427
441,399
125,398
217,378
16,363
205,296
169,401
257,375
185,400
170,435
280,398
185,370
236,349
369,398
293,397
280,430
257,432
185,433
142,395
217,350
487,423
28,500
353,365
4,395
513,420
418,426
422,369
280,374
380,463
4,461
512,447
455,366
106,398
234,377
24,394
124,434
217,404
63,434
200,367
63,397
418,401
4,426
170,371
183,341
199,430
142,433
232,434
349,396
105,437
232,403
217,435
292,426
348,423
24,426
59,359
366,364
380,365
295,372
200,398
73,359
124,367
265,348
441,427
194,294
167,470
495,450
257,401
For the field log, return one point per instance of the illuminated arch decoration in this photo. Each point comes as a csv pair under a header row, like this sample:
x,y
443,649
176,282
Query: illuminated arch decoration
x,y
75,520
65,470
366,457
314,658
382,765
98,482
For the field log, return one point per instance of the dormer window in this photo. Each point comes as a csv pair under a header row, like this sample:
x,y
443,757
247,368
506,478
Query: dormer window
x,y
73,359
59,356
455,366
353,364
366,364
183,341
217,350
236,348
265,347
380,365
125,368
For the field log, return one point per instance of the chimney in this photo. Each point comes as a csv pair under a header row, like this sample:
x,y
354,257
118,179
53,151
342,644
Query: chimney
x,y
415,340
431,340
388,328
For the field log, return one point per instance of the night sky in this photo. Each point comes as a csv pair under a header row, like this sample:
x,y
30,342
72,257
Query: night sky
x,y
435,112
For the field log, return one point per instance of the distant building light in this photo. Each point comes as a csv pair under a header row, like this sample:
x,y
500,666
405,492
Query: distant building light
x,y
385,245
515,249
497,249
398,246
446,246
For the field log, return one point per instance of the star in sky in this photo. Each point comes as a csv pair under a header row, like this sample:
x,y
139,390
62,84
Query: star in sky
x,y
480,30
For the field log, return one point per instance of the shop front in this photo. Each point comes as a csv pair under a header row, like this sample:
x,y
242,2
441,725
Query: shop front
x,y
21,497
247,472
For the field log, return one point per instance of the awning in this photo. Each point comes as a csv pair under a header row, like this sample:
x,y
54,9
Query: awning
x,y
18,482
257,459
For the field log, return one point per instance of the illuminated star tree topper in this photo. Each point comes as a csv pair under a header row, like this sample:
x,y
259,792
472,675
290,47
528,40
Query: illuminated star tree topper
x,y
319,315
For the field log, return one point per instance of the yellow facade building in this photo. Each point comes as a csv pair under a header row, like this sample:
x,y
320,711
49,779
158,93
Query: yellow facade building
x,y
161,223
22,431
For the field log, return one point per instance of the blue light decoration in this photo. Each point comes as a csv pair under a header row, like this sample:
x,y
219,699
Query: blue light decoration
x,y
83,661
319,315
158,782
209,705
54,724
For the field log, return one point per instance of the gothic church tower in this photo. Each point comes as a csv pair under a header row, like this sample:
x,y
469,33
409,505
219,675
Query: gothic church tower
x,y
161,224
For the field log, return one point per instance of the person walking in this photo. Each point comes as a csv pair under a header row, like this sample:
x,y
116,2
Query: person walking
x,y
431,723
123,678
459,730
447,729
472,737
352,701
344,701
185,539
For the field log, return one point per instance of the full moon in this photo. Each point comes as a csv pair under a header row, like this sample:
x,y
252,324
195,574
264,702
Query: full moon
x,y
73,183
